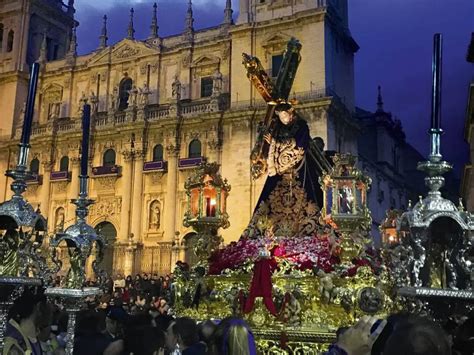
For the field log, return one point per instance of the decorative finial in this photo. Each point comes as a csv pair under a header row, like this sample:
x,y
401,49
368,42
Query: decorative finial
x,y
154,23
43,50
189,29
228,13
73,44
460,206
103,36
409,205
131,30
379,99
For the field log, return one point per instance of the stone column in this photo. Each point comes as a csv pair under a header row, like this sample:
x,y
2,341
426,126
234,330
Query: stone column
x,y
137,199
45,188
129,258
126,196
73,191
171,196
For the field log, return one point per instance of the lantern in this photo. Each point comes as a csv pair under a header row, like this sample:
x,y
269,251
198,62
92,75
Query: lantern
x,y
388,228
345,204
206,209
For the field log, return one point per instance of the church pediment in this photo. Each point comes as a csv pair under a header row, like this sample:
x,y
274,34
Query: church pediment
x,y
205,60
125,50
275,43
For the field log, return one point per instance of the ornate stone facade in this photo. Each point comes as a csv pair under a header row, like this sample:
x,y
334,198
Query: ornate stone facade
x,y
144,131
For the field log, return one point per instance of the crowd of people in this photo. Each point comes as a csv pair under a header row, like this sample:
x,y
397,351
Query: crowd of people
x,y
135,316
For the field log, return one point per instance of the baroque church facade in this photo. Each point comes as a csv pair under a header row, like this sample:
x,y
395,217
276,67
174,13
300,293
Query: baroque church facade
x,y
160,107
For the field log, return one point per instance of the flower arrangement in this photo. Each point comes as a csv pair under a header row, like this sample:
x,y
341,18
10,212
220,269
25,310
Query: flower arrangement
x,y
307,253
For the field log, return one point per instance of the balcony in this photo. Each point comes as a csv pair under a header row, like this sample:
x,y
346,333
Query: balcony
x,y
60,176
35,180
108,170
186,163
155,166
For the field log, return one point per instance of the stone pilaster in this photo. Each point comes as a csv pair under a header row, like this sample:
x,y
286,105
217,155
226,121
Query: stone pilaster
x,y
137,198
126,196
170,202
45,188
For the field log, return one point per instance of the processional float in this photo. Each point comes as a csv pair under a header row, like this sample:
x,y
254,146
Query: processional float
x,y
425,266
24,261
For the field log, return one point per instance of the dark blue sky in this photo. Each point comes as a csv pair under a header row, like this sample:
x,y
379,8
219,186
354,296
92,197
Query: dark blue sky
x,y
395,38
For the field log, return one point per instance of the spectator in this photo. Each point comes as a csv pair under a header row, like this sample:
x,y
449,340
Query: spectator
x,y
233,337
24,321
417,336
183,334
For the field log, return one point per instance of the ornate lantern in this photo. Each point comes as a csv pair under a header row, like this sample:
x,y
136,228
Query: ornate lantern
x,y
345,204
207,210
388,228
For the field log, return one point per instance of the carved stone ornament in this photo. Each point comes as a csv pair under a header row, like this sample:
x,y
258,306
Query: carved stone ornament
x,y
60,187
126,52
186,60
156,177
109,207
105,183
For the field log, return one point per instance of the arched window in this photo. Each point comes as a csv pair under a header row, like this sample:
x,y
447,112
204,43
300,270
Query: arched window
x,y
64,164
109,157
125,86
11,35
194,149
1,37
158,152
34,166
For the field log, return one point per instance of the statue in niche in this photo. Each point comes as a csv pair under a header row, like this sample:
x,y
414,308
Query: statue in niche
x,y
114,99
155,213
144,92
216,83
176,89
132,99
75,274
59,225
54,110
94,100
82,102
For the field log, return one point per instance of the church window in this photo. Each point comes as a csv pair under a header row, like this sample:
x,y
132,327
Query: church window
x,y
1,36
194,149
11,35
125,87
206,87
158,152
34,166
64,164
276,64
109,157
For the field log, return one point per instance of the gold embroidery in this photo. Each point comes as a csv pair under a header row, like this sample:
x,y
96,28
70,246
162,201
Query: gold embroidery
x,y
291,214
283,156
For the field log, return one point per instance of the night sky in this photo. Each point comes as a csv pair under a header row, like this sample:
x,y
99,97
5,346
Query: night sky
x,y
395,39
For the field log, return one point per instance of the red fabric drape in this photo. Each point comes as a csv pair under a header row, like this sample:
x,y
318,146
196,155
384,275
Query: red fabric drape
x,y
261,285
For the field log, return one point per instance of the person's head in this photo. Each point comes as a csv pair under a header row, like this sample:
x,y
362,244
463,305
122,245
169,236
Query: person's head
x,y
30,306
285,113
206,330
234,337
182,331
417,336
143,340
116,316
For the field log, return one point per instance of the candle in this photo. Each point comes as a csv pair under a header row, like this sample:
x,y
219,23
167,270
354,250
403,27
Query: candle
x,y
213,207
86,116
30,104
208,207
436,88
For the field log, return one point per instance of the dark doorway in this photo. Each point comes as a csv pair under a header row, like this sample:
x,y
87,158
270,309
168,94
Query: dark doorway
x,y
108,231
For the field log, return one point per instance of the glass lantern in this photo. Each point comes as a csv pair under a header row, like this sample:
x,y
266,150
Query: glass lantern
x,y
388,228
345,195
206,212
